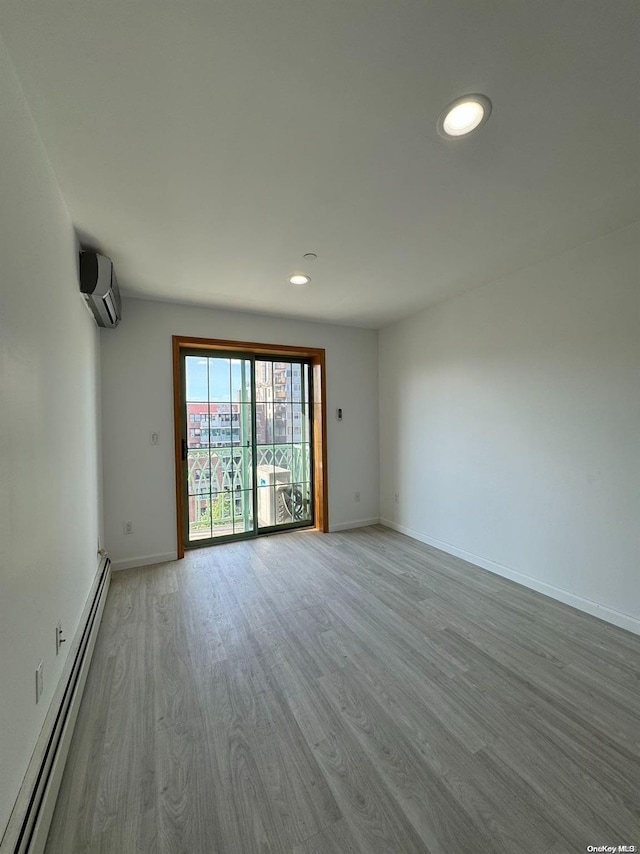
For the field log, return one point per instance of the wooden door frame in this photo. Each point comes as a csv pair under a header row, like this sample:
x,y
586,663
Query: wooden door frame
x,y
316,356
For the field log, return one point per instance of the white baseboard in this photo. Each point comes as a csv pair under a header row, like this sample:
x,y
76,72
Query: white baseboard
x,y
617,618
31,816
356,523
144,560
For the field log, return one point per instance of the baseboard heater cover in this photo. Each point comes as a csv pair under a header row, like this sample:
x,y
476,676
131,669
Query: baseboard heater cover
x,y
30,819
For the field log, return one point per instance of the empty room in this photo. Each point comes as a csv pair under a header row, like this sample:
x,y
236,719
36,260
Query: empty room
x,y
319,427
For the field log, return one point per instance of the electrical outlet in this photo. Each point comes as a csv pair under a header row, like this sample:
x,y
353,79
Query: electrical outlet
x,y
356,496
154,438
127,527
396,498
39,681
60,638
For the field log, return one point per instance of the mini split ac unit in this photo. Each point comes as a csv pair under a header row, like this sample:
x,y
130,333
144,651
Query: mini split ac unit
x,y
99,286
274,509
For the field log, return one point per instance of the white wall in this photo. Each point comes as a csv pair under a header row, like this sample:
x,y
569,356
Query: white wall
x,y
49,507
139,479
510,426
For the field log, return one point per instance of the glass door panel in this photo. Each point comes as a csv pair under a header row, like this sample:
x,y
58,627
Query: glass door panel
x,y
218,434
283,460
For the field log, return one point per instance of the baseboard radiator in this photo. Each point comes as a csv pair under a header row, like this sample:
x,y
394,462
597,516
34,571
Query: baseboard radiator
x,y
30,819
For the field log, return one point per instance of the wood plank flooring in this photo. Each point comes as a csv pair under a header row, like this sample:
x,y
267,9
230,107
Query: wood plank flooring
x,y
355,692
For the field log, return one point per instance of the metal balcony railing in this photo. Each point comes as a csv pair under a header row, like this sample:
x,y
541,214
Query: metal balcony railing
x,y
221,482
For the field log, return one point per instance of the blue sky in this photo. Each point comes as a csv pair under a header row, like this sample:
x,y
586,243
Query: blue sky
x,y
224,378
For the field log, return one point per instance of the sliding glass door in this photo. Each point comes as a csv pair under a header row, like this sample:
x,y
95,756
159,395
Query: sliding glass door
x,y
246,445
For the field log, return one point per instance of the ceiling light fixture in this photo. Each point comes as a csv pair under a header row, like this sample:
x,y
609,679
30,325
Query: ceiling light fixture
x,y
299,279
463,116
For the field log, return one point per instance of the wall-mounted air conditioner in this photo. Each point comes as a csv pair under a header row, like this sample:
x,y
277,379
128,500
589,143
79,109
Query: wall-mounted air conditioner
x,y
99,286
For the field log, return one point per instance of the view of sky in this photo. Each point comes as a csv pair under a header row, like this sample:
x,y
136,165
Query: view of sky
x,y
224,378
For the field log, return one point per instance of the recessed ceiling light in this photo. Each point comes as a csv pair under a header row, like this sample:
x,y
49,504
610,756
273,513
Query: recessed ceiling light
x,y
299,279
463,116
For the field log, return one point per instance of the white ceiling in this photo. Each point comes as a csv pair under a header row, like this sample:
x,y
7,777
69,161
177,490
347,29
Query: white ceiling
x,y
206,145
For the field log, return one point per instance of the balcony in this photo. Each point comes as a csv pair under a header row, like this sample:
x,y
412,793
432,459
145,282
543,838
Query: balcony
x,y
221,483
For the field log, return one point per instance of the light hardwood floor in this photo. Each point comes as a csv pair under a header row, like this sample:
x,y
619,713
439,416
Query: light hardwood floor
x,y
356,692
